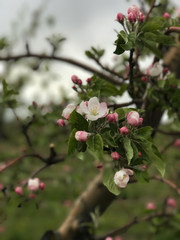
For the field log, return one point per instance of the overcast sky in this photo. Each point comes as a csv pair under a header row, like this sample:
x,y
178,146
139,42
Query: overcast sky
x,y
84,23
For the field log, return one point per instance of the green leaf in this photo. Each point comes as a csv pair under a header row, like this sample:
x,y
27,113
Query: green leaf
x,y
72,143
150,26
77,121
128,149
119,50
151,151
89,54
95,143
130,42
145,132
108,181
160,38
151,45
141,176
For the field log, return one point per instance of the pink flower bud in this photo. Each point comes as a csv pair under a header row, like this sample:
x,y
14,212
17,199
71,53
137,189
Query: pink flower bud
x,y
120,17
141,17
74,79
134,9
171,202
132,17
61,122
79,82
108,238
144,78
133,118
118,238
143,167
100,167
35,105
115,155
177,143
31,195
139,154
18,190
42,185
124,130
74,87
140,121
165,70
166,15
112,117
1,186
150,206
81,136
89,80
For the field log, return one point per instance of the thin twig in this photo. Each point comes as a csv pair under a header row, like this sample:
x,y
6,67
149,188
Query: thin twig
x,y
116,105
131,66
133,222
150,10
170,144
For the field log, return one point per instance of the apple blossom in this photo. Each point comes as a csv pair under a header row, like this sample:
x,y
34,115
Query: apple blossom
x,y
18,190
177,142
165,70
155,70
89,80
32,195
81,136
79,82
120,17
150,206
143,167
33,184
133,118
115,155
61,122
132,17
141,17
74,78
140,121
124,130
171,202
134,10
166,15
94,109
112,117
139,154
121,178
42,185
108,238
68,110
144,78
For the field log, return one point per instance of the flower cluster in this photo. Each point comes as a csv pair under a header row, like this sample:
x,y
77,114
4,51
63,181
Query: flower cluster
x,y
93,111
134,14
33,185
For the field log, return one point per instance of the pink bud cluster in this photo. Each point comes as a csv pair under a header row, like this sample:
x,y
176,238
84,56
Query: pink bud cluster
x,y
134,14
33,185
76,80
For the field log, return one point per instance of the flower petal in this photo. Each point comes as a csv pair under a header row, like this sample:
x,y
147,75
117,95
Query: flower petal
x,y
83,107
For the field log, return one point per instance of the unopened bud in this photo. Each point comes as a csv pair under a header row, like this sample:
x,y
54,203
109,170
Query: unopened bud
x,y
124,130
18,190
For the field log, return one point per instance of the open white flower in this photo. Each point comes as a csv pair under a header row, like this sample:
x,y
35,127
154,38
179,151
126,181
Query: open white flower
x,y
155,70
94,109
68,110
121,178
33,184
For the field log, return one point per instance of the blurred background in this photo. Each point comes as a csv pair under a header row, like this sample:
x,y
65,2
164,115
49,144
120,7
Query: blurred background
x,y
83,24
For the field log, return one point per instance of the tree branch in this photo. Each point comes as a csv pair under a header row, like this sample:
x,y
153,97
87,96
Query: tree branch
x,y
109,78
133,222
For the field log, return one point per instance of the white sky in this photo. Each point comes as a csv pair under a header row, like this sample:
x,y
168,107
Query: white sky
x,y
84,23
